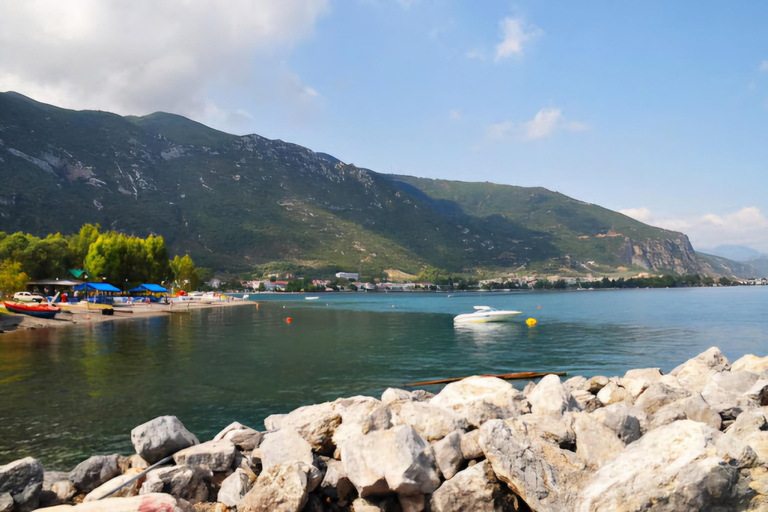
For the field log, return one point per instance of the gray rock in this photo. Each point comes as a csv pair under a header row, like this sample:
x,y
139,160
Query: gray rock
x,y
161,437
190,483
336,485
6,502
585,400
23,480
597,383
750,363
315,423
245,438
432,422
637,381
577,383
596,444
751,427
478,399
470,447
281,488
551,427
448,454
694,373
622,419
658,395
475,488
613,393
285,446
538,471
95,471
234,488
726,391
679,466
550,397
693,408
758,392
214,455
397,460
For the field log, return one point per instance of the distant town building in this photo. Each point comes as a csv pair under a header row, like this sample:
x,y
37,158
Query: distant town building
x,y
214,283
352,276
274,286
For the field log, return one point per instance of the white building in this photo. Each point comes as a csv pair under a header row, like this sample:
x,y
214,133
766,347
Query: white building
x,y
352,276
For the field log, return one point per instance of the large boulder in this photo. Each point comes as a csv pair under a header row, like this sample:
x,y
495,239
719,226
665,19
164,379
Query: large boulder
x,y
234,488
190,483
95,471
596,444
478,399
281,488
284,446
475,488
658,395
448,454
637,381
146,503
23,480
556,428
623,419
245,438
432,422
394,460
214,455
693,408
550,397
161,437
685,465
751,427
418,395
727,390
694,373
315,423
538,471
750,363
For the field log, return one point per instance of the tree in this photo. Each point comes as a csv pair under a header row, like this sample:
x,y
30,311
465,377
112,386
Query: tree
x,y
184,273
12,279
262,288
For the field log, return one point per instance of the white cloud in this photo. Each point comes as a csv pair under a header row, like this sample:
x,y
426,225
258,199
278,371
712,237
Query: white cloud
x,y
454,115
515,32
141,56
475,53
764,65
747,226
546,122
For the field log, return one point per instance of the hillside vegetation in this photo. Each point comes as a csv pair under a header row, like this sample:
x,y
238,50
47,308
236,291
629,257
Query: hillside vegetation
x,y
234,202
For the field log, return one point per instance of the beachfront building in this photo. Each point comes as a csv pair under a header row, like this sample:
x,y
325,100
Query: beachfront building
x,y
275,286
352,276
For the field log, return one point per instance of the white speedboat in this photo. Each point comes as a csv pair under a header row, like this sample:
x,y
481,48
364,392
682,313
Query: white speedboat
x,y
484,314
311,298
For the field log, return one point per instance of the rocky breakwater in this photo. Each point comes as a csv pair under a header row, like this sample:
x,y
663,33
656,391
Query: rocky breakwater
x,y
695,439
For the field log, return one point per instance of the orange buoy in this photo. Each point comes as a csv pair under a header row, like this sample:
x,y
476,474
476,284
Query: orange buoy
x,y
289,320
539,306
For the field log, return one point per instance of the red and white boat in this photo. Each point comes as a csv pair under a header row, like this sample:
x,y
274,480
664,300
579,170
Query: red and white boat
x,y
43,310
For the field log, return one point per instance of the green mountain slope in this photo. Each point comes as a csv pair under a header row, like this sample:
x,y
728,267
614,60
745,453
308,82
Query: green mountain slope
x,y
232,202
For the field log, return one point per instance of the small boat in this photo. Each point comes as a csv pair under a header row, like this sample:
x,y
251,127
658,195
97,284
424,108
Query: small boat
x,y
44,310
485,314
311,298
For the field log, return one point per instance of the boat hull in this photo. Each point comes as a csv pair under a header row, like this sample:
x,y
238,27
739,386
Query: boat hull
x,y
485,318
37,311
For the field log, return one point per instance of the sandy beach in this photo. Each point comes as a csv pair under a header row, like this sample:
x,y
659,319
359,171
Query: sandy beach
x,y
73,315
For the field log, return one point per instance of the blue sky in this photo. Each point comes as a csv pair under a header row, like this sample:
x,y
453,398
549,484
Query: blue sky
x,y
659,109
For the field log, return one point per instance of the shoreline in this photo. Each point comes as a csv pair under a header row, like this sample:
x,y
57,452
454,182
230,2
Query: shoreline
x,y
10,322
694,439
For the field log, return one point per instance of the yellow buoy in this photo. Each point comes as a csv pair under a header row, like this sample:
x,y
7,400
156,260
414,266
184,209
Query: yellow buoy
x,y
531,322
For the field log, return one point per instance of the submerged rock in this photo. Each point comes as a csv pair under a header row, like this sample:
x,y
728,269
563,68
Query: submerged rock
x,y
161,437
23,480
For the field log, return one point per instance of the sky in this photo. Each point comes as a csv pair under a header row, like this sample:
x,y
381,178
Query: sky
x,y
656,109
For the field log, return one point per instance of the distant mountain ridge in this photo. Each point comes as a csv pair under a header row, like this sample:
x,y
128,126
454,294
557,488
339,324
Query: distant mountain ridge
x,y
235,201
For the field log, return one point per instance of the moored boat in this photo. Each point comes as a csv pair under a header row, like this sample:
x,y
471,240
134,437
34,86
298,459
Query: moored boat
x,y
44,310
485,314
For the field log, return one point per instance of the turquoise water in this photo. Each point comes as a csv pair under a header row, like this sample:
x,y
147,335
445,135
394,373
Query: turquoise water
x,y
68,393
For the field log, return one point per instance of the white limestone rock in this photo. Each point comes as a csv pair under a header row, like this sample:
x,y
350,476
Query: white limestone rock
x,y
234,488
315,423
596,444
613,393
214,455
448,454
432,422
478,399
281,488
284,446
637,381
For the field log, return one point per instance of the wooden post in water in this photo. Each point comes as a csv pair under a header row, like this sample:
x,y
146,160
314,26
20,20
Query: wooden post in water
x,y
507,376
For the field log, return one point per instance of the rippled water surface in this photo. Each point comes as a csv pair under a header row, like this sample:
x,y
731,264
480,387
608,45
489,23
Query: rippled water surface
x,y
68,393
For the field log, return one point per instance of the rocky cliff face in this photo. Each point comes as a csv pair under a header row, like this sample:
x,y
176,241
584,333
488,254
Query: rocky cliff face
x,y
675,254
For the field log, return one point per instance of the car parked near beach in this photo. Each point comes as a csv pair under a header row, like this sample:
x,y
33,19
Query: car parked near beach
x,y
27,297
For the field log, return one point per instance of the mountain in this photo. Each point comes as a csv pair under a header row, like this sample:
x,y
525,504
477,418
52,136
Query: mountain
x,y
717,265
236,201
734,252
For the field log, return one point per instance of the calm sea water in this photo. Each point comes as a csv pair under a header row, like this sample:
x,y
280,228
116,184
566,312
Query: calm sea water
x,y
68,393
